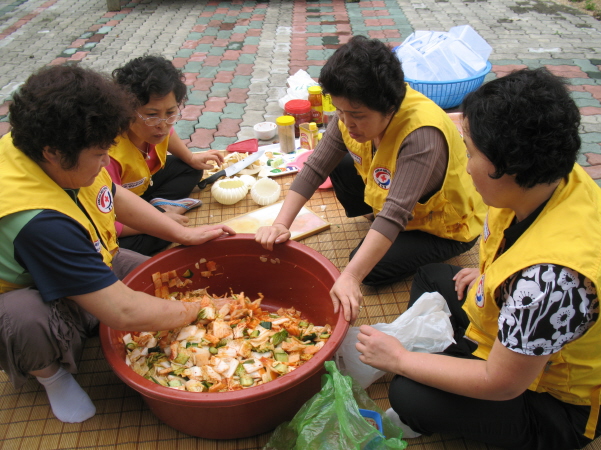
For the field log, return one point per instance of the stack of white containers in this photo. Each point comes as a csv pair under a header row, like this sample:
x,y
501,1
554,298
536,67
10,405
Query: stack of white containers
x,y
443,56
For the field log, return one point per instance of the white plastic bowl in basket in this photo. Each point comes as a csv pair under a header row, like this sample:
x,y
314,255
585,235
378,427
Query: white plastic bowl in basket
x,y
448,94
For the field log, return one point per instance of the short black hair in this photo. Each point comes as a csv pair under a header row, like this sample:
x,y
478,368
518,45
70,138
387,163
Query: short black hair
x,y
365,71
526,124
68,109
151,76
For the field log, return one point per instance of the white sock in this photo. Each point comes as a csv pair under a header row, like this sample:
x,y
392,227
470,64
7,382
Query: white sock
x,y
408,433
68,400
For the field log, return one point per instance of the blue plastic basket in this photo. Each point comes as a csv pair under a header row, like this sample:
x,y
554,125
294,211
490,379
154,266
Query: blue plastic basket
x,y
448,94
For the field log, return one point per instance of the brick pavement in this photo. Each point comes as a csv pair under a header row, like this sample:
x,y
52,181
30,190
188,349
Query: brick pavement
x,y
236,55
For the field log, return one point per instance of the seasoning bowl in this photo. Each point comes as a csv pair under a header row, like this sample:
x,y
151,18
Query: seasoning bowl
x,y
290,275
265,130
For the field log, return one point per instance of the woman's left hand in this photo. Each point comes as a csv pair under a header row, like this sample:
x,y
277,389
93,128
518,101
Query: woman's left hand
x,y
205,233
199,160
379,350
346,294
464,279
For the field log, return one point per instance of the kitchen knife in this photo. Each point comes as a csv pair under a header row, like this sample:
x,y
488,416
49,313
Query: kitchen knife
x,y
233,169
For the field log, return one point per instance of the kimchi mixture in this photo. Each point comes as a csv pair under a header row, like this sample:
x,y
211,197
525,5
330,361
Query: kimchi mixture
x,y
233,344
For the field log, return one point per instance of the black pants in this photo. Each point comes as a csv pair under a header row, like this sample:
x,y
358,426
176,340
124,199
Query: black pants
x,y
530,421
410,250
174,181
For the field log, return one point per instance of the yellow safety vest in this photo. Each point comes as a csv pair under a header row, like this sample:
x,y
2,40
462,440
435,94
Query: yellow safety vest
x,y
567,233
25,186
456,211
135,174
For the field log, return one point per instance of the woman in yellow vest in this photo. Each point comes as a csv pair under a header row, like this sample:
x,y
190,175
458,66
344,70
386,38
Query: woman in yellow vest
x,y
150,159
391,153
525,372
60,265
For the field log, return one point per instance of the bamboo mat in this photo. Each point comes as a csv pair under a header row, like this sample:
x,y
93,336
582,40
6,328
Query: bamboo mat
x,y
123,421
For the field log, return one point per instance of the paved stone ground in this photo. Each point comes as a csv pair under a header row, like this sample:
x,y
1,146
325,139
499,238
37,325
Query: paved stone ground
x,y
237,55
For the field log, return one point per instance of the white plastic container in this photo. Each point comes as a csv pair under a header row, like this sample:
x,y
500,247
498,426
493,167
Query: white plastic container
x,y
473,40
265,191
448,65
470,60
443,56
228,191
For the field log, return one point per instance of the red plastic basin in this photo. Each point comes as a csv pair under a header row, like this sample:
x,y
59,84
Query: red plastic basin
x,y
302,278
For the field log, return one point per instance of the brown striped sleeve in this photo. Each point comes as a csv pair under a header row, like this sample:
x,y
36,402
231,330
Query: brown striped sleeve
x,y
420,170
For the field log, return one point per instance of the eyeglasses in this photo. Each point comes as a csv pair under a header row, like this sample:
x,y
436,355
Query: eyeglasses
x,y
154,121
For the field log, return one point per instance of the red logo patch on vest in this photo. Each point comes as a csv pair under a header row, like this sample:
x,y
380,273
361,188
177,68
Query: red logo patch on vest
x,y
382,177
104,200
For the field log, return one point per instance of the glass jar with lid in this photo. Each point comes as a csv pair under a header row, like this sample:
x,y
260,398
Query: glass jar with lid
x,y
300,110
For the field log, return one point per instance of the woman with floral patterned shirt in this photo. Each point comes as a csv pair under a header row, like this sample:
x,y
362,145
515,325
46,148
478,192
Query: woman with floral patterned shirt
x,y
525,371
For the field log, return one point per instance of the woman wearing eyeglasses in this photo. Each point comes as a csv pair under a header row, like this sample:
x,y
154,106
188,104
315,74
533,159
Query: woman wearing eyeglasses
x,y
140,161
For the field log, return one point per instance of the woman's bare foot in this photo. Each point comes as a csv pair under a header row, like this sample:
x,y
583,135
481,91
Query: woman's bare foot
x,y
181,219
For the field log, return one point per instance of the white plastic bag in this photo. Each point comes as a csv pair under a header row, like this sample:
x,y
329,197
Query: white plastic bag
x,y
298,85
425,328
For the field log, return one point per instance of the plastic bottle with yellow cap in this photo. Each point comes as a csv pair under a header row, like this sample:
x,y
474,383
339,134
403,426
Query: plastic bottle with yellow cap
x,y
315,98
286,133
328,110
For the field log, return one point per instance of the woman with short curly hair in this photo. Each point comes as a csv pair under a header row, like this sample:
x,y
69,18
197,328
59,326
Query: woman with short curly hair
x,y
525,369
60,263
394,156
97,113
140,161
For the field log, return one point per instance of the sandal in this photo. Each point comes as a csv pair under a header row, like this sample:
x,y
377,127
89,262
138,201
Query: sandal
x,y
186,203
